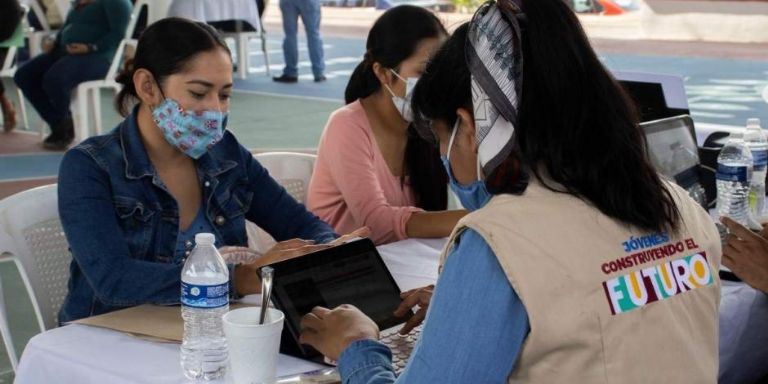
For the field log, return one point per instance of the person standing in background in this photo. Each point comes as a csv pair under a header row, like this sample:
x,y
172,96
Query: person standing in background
x,y
309,10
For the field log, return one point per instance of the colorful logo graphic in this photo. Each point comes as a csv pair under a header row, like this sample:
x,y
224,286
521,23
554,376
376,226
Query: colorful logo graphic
x,y
658,282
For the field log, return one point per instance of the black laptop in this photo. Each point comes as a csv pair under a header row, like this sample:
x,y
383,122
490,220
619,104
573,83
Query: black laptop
x,y
350,273
673,151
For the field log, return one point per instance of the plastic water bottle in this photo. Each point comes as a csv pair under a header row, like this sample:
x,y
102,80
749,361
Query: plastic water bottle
x,y
204,300
734,172
755,139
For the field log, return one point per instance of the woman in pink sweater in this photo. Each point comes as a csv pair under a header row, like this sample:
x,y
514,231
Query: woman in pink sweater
x,y
372,168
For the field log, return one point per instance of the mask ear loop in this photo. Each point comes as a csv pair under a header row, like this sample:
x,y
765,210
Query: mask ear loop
x,y
399,77
479,169
450,141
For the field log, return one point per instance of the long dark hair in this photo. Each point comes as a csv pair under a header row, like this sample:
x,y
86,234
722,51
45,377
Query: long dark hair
x,y
392,39
575,121
165,48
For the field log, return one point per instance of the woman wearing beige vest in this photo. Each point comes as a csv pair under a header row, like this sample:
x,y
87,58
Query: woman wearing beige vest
x,y
609,271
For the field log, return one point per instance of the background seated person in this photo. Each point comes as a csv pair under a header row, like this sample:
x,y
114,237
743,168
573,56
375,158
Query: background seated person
x,y
131,201
372,169
10,18
82,51
531,290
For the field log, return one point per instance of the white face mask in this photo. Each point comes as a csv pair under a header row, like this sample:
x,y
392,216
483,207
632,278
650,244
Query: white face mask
x,y
403,104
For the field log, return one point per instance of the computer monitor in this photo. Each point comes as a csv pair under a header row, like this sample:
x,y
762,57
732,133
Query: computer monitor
x,y
657,96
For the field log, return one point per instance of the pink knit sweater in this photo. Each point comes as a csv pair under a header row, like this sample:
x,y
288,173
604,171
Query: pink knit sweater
x,y
352,186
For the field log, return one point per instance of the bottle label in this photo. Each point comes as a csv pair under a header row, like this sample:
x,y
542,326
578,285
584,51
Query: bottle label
x,y
731,173
760,159
204,296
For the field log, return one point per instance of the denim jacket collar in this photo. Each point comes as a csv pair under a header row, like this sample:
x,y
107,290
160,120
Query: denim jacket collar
x,y
138,165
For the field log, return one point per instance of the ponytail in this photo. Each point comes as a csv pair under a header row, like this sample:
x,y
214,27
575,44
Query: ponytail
x,y
127,97
363,81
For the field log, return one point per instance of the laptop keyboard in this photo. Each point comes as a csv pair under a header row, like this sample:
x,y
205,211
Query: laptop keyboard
x,y
400,345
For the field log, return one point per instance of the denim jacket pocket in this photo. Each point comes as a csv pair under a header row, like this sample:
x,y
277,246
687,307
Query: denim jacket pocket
x,y
135,219
235,202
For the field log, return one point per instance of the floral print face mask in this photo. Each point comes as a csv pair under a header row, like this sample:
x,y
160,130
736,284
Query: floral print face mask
x,y
193,133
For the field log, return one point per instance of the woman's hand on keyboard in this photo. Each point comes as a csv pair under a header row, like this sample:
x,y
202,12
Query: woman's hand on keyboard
x,y
332,331
418,297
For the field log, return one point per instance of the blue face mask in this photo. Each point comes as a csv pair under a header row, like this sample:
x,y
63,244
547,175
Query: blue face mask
x,y
472,196
193,133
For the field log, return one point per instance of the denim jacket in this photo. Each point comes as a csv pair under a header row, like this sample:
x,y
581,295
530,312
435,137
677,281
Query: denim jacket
x,y
122,223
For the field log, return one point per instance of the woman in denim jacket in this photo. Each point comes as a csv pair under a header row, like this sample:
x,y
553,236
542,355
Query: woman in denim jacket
x,y
131,201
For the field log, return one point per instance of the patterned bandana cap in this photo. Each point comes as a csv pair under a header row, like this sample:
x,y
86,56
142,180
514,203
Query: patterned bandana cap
x,y
495,60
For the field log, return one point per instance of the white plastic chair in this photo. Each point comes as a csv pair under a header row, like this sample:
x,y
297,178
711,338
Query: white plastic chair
x,y
291,170
31,236
88,95
36,37
242,48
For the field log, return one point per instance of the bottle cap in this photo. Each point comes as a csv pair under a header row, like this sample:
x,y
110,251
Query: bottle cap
x,y
205,239
753,122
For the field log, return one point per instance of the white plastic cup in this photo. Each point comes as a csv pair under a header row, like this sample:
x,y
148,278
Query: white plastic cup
x,y
253,348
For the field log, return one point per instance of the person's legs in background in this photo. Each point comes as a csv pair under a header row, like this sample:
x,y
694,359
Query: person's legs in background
x,y
59,83
29,78
310,16
50,92
9,112
290,12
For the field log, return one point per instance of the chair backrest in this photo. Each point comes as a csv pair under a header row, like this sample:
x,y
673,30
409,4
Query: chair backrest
x,y
8,66
124,51
31,234
37,10
291,170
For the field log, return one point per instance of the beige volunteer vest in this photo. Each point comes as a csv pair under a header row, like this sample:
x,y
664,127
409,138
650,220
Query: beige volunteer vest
x,y
607,303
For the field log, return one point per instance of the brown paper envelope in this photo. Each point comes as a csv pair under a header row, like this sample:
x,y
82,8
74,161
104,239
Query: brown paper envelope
x,y
150,322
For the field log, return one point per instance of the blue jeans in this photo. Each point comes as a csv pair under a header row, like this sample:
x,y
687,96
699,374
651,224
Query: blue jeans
x,y
49,79
309,10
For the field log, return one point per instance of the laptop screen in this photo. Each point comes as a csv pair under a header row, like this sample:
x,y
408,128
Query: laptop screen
x,y
672,149
351,273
